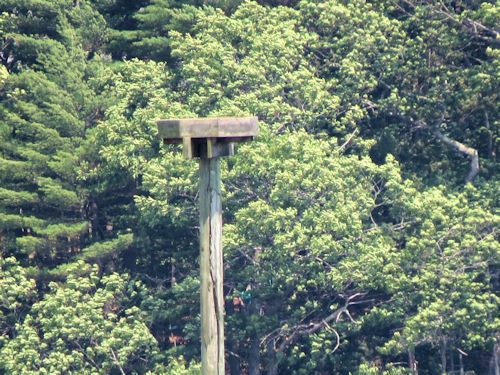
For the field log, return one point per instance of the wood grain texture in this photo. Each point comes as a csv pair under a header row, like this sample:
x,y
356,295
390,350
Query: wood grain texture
x,y
211,268
187,148
211,127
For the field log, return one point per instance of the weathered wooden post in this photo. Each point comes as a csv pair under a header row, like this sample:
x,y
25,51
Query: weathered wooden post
x,y
209,139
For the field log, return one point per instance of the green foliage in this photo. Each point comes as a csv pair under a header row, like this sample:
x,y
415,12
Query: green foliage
x,y
251,62
304,238
351,242
447,258
4,74
366,369
86,325
16,292
47,104
179,367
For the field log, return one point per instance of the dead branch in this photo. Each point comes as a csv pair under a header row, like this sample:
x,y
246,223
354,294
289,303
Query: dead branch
x,y
460,147
348,141
117,363
287,336
469,151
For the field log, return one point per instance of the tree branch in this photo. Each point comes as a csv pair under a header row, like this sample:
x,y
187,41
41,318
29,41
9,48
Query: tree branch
x,y
288,336
341,148
460,147
469,151
117,363
476,28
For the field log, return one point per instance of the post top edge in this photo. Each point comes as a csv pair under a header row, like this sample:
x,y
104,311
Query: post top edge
x,y
207,120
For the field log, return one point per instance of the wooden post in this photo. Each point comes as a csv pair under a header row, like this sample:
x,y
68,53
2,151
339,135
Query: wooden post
x,y
209,139
211,268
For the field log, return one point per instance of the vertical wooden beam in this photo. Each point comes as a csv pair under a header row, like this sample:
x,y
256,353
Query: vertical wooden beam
x,y
210,147
187,148
211,269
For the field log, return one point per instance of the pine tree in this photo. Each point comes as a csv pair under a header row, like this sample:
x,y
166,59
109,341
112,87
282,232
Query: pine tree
x,y
46,108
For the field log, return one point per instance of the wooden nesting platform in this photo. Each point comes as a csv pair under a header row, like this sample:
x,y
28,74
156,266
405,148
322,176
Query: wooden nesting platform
x,y
208,137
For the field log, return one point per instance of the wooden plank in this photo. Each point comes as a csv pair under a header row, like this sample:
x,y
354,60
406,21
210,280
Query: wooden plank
x,y
234,139
210,147
187,148
211,127
218,149
224,149
237,127
211,268
172,141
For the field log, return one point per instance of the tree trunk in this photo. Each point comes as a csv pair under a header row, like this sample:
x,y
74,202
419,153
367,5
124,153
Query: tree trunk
x,y
452,361
496,358
254,356
94,219
491,141
412,363
443,356
233,358
272,367
272,361
172,272
252,309
211,269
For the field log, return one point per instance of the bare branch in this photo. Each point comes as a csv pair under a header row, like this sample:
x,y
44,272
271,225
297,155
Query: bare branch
x,y
336,335
341,148
286,336
460,147
469,151
117,363
469,25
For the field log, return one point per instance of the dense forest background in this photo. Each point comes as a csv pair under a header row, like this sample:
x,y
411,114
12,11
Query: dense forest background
x,y
361,227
